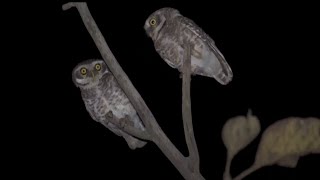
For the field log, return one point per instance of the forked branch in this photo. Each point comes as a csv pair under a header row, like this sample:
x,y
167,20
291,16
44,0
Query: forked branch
x,y
156,134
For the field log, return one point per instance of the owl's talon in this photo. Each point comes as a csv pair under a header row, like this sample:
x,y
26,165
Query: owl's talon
x,y
125,122
122,123
110,114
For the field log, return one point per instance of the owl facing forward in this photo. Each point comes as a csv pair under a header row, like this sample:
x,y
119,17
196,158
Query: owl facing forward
x,y
171,32
101,94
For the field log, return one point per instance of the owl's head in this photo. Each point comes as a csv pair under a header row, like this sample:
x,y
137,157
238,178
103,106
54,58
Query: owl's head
x,y
87,74
157,20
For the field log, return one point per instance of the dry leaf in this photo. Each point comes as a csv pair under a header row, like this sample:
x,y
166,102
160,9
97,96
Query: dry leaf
x,y
285,141
237,133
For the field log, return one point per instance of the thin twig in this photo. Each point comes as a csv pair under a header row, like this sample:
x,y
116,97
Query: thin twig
x,y
153,128
226,174
194,159
246,172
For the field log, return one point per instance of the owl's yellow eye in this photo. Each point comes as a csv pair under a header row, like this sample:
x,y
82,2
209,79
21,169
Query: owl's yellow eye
x,y
152,22
83,71
98,67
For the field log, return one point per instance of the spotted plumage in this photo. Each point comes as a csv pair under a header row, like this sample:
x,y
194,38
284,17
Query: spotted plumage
x,y
101,94
171,32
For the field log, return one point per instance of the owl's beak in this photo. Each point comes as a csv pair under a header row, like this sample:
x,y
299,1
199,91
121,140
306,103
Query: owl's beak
x,y
93,75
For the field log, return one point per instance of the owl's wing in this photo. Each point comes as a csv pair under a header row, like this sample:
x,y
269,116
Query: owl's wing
x,y
132,142
166,58
91,113
171,64
226,75
113,128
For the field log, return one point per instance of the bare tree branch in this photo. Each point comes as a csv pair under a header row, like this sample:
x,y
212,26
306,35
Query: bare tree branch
x,y
153,129
186,112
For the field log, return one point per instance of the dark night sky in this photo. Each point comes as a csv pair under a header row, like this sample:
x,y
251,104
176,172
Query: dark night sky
x,y
271,48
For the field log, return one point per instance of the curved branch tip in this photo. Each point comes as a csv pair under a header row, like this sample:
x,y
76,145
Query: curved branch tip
x,y
71,4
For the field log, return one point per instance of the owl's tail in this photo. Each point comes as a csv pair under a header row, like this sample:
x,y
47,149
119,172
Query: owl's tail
x,y
216,68
133,142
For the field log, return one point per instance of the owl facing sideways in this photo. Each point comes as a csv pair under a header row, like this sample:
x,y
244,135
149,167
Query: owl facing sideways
x,y
102,94
171,32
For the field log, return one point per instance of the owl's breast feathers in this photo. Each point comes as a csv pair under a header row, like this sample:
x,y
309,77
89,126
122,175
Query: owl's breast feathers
x,y
108,96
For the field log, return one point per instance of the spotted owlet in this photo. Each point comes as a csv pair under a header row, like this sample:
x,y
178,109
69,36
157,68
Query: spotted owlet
x,y
102,94
170,32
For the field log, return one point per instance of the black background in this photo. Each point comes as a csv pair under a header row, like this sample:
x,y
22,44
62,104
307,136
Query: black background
x,y
273,52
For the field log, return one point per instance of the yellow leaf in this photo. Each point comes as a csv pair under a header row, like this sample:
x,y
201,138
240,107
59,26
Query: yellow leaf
x,y
288,138
284,142
237,133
